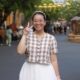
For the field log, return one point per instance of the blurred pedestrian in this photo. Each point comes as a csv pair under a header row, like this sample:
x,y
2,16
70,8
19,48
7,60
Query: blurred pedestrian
x,y
8,36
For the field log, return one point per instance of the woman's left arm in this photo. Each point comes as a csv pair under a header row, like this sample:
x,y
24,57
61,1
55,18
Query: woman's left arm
x,y
54,63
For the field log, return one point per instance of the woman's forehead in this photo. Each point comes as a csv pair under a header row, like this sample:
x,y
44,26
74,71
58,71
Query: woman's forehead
x,y
38,16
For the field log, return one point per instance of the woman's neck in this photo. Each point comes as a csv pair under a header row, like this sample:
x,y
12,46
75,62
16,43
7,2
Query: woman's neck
x,y
39,33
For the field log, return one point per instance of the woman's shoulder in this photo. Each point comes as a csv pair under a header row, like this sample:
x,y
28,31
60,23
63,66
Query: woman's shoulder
x,y
50,36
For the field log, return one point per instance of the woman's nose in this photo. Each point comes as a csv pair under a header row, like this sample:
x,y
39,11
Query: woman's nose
x,y
38,22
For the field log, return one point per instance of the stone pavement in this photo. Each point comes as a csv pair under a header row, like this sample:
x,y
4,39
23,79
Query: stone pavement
x,y
68,57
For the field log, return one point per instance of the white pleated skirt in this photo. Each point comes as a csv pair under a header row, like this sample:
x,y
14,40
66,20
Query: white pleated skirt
x,y
31,71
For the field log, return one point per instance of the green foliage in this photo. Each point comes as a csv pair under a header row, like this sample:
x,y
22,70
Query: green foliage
x,y
46,1
25,6
28,7
68,10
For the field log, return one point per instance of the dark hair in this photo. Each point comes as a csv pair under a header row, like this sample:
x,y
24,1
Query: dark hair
x,y
39,12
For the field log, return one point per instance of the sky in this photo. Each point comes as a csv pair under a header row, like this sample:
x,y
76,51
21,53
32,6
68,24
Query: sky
x,y
59,1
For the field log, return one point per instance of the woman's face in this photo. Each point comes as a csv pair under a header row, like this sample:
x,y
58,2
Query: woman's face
x,y
39,22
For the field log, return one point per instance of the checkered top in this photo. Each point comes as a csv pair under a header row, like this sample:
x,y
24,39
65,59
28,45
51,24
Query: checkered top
x,y
39,51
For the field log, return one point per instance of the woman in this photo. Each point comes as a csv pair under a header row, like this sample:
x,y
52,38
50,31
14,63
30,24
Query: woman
x,y
41,48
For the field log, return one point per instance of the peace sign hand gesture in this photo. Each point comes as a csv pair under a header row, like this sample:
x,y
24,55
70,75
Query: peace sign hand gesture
x,y
26,29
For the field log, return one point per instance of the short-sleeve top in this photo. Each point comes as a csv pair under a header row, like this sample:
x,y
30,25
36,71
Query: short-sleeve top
x,y
39,51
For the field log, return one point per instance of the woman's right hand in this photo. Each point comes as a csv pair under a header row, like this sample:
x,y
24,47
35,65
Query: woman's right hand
x,y
26,29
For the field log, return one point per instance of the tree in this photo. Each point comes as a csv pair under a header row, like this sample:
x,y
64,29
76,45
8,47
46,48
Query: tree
x,y
7,6
67,10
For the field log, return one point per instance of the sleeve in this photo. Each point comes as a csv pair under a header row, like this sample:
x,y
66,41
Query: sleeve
x,y
54,45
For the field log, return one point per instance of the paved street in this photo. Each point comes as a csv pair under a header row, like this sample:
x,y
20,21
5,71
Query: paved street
x,y
68,56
